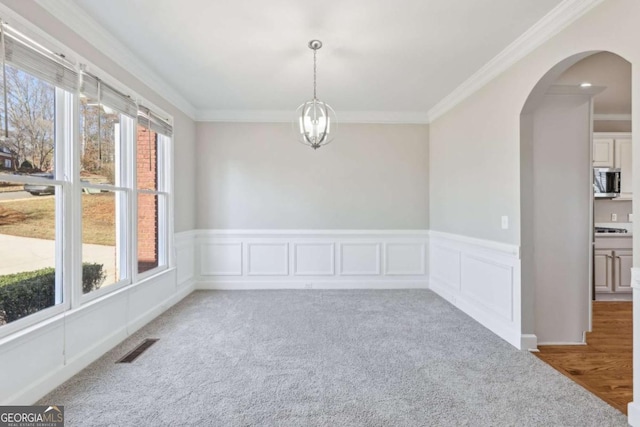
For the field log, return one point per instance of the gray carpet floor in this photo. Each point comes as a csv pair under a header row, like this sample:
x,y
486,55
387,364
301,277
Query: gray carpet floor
x,y
324,358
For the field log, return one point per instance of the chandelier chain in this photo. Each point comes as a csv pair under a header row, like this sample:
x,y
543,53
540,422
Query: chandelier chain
x,y
314,73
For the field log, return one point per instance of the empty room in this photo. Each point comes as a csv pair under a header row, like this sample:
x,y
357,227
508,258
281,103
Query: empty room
x,y
347,213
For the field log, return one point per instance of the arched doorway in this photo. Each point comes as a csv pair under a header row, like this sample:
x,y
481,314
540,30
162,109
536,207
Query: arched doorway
x,y
557,204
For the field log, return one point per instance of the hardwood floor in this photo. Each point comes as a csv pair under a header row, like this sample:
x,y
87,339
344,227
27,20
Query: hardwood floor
x,y
604,365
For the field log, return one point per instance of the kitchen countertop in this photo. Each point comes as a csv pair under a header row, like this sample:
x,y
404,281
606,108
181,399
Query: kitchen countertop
x,y
598,235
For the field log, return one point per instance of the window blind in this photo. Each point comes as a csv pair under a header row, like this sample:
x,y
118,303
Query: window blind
x,y
39,63
151,120
89,86
50,67
118,101
94,88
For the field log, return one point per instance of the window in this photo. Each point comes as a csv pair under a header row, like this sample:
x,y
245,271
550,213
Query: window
x,y
83,182
103,192
147,183
31,181
151,190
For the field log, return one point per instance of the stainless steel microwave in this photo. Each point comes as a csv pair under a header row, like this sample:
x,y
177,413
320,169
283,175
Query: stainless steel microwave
x,y
606,182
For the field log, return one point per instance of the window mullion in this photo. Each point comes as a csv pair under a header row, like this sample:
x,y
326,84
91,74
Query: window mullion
x,y
62,245
129,137
72,171
107,187
169,220
152,192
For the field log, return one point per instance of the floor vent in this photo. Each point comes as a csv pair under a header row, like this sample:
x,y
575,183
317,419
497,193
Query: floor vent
x,y
136,352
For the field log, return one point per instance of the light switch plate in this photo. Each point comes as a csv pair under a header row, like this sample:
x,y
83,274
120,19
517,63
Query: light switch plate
x,y
630,217
505,222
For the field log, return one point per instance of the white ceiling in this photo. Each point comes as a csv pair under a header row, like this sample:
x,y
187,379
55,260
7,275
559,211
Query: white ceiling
x,y
383,57
608,70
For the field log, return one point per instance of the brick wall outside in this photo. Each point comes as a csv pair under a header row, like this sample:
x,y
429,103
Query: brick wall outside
x,y
147,203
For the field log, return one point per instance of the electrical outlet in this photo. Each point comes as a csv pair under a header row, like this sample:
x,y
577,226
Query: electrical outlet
x,y
614,217
505,222
630,217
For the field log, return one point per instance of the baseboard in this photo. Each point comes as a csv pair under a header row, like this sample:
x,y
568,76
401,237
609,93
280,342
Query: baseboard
x,y
614,297
188,285
149,315
263,285
633,414
529,342
496,325
561,343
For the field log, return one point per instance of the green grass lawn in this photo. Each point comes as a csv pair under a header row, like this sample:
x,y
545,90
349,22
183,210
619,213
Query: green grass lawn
x,y
35,217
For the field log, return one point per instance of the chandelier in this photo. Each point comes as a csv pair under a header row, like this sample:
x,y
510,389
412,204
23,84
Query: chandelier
x,y
315,121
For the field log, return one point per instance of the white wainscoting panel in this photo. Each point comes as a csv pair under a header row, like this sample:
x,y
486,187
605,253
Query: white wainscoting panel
x,y
185,243
220,259
314,259
445,266
407,259
268,259
481,278
495,290
360,259
308,259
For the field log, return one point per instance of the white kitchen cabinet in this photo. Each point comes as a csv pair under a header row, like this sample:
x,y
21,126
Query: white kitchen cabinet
x,y
622,263
612,262
622,150
603,270
603,152
613,150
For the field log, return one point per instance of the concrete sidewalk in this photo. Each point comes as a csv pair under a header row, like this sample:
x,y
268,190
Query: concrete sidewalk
x,y
21,254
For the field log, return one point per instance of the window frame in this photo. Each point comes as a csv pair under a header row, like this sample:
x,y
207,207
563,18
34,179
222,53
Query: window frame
x,y
63,137
123,222
163,173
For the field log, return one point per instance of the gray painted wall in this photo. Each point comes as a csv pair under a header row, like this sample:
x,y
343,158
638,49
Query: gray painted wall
x,y
561,219
256,176
478,141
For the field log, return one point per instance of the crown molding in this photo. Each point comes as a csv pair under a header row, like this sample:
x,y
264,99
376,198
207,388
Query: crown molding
x,y
86,27
551,24
268,116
